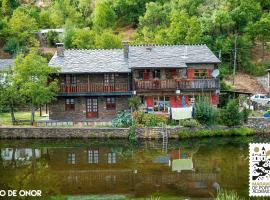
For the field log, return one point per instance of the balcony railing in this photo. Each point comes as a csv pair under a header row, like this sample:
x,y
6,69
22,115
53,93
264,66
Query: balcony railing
x,y
172,84
94,87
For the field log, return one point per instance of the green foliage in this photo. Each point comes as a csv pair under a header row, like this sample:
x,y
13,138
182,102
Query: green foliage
x,y
134,102
205,112
31,74
191,133
149,119
191,123
22,26
231,115
12,46
52,38
122,119
83,39
108,40
245,113
103,15
227,195
132,137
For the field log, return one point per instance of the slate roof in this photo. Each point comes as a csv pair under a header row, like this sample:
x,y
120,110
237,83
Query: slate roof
x,y
171,56
140,56
5,63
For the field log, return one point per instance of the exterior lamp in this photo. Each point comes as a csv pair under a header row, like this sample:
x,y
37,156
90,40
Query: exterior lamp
x,y
134,92
217,91
177,92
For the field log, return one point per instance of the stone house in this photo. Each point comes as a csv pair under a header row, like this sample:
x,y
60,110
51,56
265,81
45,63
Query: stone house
x,y
96,84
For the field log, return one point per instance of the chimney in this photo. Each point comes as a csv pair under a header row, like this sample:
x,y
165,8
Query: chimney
x,y
126,48
60,49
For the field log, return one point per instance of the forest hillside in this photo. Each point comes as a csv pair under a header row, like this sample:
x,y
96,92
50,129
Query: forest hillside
x,y
233,29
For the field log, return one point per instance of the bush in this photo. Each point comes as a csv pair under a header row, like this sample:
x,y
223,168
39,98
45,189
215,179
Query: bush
x,y
134,102
189,123
52,38
132,137
12,46
149,119
231,115
245,113
205,112
122,119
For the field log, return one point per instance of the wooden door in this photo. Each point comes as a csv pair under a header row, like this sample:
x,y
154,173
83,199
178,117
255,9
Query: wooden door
x,y
146,75
91,107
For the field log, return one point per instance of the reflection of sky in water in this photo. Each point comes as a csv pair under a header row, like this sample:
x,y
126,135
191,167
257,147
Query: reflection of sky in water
x,y
188,169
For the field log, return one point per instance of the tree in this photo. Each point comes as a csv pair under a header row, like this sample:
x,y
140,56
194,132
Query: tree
x,y
231,116
23,27
260,30
6,9
108,40
184,29
63,10
103,15
9,93
83,39
31,74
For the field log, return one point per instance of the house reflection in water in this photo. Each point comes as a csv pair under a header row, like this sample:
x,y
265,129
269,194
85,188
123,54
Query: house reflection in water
x,y
142,171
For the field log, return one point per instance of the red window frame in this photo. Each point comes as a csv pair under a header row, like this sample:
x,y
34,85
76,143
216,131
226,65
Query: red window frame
x,y
70,104
110,103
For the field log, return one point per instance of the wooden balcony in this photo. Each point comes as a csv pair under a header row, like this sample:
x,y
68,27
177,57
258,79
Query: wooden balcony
x,y
172,84
94,88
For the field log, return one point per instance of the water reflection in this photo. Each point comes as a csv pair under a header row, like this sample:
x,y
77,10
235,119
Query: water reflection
x,y
194,170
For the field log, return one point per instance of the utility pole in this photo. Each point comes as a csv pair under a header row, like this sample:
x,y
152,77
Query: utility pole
x,y
235,54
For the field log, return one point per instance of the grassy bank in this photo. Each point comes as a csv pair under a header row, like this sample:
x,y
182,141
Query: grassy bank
x,y
210,132
5,118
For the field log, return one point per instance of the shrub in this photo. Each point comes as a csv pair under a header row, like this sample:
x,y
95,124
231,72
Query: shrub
x,y
245,113
122,119
134,102
52,38
132,137
205,112
189,123
231,115
149,119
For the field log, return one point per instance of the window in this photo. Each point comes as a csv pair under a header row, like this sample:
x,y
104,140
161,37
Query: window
x,y
70,104
140,74
110,103
161,103
71,79
108,79
93,156
71,158
156,74
200,73
111,158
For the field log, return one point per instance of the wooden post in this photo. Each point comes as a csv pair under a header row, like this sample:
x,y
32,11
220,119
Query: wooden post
x,y
88,83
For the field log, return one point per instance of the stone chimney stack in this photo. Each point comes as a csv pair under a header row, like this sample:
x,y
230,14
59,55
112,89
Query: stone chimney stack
x,y
60,49
126,48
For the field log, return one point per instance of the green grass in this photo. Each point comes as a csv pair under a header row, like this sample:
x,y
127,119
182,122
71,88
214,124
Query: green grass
x,y
5,118
243,131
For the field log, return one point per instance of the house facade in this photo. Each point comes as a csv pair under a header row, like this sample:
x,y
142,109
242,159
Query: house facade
x,y
96,84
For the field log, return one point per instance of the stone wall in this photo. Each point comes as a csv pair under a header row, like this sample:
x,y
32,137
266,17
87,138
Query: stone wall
x,y
58,112
40,132
259,123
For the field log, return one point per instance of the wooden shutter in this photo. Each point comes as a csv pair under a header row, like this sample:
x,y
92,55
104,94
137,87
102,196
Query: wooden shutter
x,y
190,73
215,99
149,101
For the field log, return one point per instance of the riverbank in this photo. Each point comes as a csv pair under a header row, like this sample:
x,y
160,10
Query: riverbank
x,y
141,133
